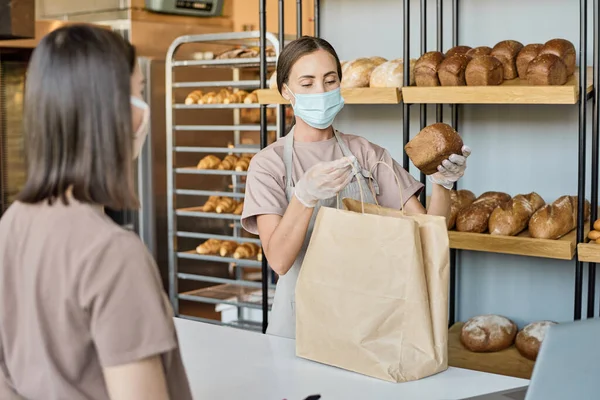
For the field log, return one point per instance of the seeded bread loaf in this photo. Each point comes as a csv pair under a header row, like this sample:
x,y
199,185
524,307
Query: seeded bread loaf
x,y
526,56
547,70
432,145
479,51
484,71
565,50
452,70
458,50
507,51
426,69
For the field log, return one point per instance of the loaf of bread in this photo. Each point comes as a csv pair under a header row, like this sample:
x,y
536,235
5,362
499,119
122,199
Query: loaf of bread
x,y
226,205
239,209
209,162
565,50
242,164
459,199
507,51
246,250
555,220
530,338
434,144
426,69
475,217
391,74
357,73
546,70
211,246
194,97
458,50
526,56
479,51
512,217
228,162
488,333
227,248
484,71
452,70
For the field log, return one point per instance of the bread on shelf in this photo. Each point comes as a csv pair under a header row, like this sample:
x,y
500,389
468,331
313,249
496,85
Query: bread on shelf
x,y
251,98
484,71
451,71
459,199
228,163
242,164
488,333
512,217
226,205
432,145
391,74
210,247
194,97
227,248
211,204
530,338
475,217
209,162
426,69
239,209
594,234
479,51
563,49
555,220
357,73
547,70
458,50
525,57
246,250
507,51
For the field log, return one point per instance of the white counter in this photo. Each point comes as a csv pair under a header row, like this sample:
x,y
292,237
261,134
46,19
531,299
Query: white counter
x,y
231,364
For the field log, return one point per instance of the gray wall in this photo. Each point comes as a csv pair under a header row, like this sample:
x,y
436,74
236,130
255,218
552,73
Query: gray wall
x,y
516,149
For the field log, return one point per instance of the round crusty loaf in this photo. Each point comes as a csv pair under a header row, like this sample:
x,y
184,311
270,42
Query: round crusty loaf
x,y
434,144
531,337
357,73
488,333
391,74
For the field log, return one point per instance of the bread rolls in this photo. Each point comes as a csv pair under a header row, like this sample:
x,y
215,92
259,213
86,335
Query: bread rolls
x,y
228,163
479,51
211,246
227,248
563,49
488,333
526,55
391,74
530,338
484,71
459,199
451,71
426,69
555,220
457,50
357,73
209,162
211,204
246,250
512,217
242,164
475,217
226,205
432,145
506,52
194,97
547,70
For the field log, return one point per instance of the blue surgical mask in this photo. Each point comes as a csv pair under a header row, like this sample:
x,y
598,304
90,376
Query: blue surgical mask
x,y
318,109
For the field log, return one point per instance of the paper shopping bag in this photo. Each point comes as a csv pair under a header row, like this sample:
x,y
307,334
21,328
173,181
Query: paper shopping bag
x,y
372,294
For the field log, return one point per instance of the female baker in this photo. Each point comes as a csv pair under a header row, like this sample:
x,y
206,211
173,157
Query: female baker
x,y
289,180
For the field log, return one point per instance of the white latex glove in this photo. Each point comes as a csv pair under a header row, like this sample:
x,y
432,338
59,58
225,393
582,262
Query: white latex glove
x,y
451,169
323,181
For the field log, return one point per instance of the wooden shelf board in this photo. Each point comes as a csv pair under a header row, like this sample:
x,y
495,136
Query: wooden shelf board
x,y
523,244
351,96
509,92
507,362
588,252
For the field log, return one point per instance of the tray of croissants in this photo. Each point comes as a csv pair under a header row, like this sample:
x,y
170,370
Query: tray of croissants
x,y
229,248
223,205
498,213
231,162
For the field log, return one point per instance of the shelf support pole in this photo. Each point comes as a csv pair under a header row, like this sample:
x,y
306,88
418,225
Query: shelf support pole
x,y
405,111
282,126
594,181
299,18
423,107
439,112
317,18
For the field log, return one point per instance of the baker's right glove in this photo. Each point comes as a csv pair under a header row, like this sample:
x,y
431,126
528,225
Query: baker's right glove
x,y
323,181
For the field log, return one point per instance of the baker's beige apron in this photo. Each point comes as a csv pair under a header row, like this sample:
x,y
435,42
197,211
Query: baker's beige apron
x,y
283,314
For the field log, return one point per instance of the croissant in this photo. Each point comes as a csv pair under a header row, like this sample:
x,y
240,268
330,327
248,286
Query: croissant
x,y
228,162
246,250
251,98
242,164
231,98
209,162
226,205
211,204
242,95
193,97
238,210
211,98
227,248
211,246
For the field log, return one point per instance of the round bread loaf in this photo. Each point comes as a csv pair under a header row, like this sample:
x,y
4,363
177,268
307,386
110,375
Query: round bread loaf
x,y
531,337
391,74
479,51
488,333
458,50
357,73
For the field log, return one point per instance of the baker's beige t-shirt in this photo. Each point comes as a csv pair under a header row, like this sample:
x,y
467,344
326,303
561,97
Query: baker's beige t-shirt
x,y
78,293
265,185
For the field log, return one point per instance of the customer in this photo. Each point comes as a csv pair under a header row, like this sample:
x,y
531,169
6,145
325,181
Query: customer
x,y
82,310
289,180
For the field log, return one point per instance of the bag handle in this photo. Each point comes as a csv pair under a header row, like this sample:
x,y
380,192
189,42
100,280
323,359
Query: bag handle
x,y
362,197
397,182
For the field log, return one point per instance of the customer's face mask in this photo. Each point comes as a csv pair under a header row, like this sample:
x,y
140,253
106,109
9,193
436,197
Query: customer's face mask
x,y
142,130
317,109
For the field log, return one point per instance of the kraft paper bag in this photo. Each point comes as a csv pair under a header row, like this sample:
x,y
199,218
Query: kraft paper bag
x,y
372,294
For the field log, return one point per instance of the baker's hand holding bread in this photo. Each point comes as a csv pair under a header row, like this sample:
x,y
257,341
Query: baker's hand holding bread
x,y
451,169
308,168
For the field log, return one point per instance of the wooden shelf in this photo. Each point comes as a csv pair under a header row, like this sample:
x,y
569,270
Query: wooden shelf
x,y
507,362
522,245
351,96
588,252
510,92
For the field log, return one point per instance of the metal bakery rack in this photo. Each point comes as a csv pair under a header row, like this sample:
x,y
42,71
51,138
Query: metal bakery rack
x,y
213,283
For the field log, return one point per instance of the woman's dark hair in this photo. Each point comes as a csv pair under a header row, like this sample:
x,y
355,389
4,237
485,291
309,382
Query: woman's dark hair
x,y
298,49
78,119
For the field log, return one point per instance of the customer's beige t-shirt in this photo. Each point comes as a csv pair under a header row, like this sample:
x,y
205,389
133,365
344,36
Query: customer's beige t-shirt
x,y
78,293
265,186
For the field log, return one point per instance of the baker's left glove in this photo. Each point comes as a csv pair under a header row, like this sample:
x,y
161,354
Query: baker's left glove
x,y
451,169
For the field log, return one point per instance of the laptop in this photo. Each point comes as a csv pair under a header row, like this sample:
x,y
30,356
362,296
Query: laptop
x,y
567,367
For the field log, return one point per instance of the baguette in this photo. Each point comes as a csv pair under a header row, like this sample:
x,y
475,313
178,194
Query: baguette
x,y
475,217
512,217
459,199
555,220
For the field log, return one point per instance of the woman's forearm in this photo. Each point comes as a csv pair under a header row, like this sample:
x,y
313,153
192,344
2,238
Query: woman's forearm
x,y
440,201
286,240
